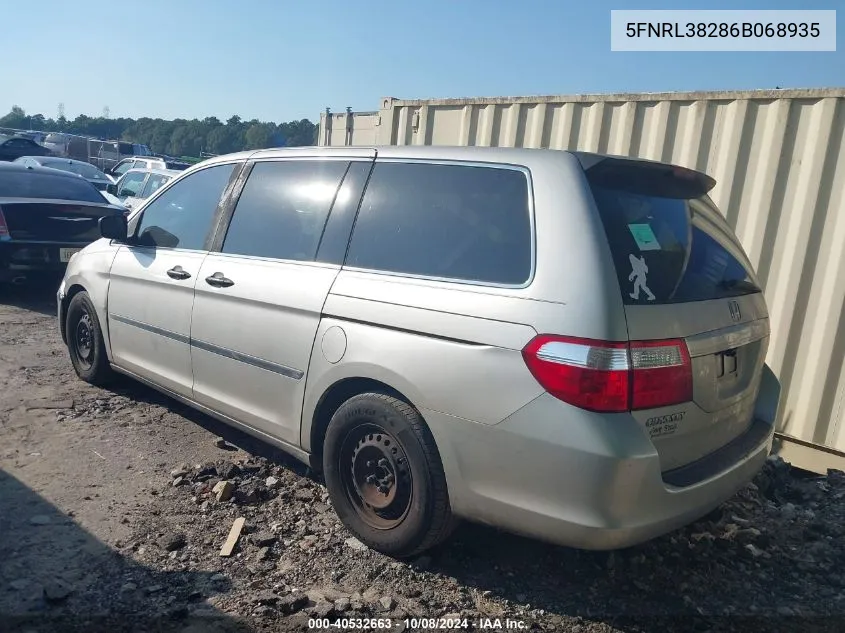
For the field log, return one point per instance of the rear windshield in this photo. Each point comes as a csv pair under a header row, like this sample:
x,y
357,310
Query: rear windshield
x,y
669,242
33,184
83,169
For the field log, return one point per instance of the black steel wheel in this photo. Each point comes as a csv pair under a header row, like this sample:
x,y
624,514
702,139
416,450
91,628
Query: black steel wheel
x,y
385,477
84,338
85,341
377,477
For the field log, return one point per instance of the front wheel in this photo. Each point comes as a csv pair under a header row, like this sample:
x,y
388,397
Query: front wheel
x,y
85,341
385,477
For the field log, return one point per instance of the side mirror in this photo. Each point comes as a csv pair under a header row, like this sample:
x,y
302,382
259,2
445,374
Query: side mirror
x,y
114,227
112,188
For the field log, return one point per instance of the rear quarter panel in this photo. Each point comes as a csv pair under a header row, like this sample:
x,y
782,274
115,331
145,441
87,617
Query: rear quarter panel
x,y
439,359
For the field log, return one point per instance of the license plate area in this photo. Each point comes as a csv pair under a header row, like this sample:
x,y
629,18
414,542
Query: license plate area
x,y
727,364
66,253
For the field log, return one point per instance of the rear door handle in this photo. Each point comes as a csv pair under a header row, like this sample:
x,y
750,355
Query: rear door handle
x,y
219,281
177,272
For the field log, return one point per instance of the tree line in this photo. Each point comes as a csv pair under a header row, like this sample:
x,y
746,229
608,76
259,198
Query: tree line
x,y
179,137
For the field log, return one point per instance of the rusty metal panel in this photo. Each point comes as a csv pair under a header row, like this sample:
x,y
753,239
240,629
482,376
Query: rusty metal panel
x,y
779,159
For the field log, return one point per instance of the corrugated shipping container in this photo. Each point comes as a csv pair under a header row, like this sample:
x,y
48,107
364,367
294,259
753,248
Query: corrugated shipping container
x,y
778,157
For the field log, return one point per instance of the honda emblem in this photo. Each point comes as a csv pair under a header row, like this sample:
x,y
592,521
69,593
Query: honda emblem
x,y
736,313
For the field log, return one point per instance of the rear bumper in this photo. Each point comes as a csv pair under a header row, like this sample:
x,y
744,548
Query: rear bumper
x,y
584,480
25,259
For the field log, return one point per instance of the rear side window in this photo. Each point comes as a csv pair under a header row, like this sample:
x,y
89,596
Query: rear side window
x,y
282,211
22,183
446,221
669,242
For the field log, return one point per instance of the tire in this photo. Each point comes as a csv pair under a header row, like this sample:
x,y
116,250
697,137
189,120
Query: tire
x,y
85,341
376,435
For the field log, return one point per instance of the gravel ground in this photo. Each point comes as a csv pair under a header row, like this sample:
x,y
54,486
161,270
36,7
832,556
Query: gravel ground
x,y
114,506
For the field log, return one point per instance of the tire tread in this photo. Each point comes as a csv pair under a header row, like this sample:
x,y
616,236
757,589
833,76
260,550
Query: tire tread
x,y
101,373
442,521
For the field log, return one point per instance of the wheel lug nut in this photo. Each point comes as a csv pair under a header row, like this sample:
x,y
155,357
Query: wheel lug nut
x,y
383,462
370,463
371,479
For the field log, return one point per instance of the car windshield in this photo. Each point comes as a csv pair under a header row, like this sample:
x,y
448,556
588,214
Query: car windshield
x,y
15,183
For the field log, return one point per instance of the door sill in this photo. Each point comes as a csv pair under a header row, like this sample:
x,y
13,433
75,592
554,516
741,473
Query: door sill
x,y
290,449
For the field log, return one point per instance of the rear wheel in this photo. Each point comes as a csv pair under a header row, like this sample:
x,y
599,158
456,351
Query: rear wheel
x,y
385,477
85,341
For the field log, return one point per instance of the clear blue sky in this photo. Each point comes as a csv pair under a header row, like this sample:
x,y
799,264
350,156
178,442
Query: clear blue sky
x,y
279,60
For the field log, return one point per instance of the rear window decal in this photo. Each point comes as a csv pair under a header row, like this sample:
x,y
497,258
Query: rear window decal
x,y
639,269
644,237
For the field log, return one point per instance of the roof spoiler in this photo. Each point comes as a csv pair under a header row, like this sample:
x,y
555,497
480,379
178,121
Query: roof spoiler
x,y
646,176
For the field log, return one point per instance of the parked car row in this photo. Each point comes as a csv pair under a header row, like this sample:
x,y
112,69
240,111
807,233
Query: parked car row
x,y
413,320
107,153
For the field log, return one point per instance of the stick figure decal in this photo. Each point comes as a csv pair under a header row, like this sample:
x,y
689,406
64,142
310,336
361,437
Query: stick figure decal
x,y
638,275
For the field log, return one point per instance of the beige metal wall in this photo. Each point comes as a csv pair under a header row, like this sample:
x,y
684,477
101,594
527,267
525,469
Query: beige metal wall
x,y
348,128
779,159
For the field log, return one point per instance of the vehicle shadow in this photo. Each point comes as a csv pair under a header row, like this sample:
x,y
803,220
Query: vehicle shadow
x,y
56,576
234,437
37,295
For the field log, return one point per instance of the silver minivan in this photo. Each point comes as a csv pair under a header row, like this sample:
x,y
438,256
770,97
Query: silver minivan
x,y
564,345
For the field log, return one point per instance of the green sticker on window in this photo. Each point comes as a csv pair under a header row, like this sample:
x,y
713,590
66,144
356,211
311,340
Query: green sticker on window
x,y
644,237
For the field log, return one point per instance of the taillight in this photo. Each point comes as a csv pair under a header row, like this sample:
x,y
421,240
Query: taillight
x,y
589,374
661,374
611,376
4,228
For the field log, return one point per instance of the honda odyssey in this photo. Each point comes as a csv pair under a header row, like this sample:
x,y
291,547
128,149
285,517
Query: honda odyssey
x,y
565,345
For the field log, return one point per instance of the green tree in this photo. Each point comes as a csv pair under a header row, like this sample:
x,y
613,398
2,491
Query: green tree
x,y
219,140
259,135
15,119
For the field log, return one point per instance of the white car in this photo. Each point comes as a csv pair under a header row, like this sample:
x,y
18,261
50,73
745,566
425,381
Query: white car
x,y
145,162
136,185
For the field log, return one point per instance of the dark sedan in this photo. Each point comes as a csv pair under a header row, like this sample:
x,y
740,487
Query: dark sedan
x,y
46,216
78,167
14,147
